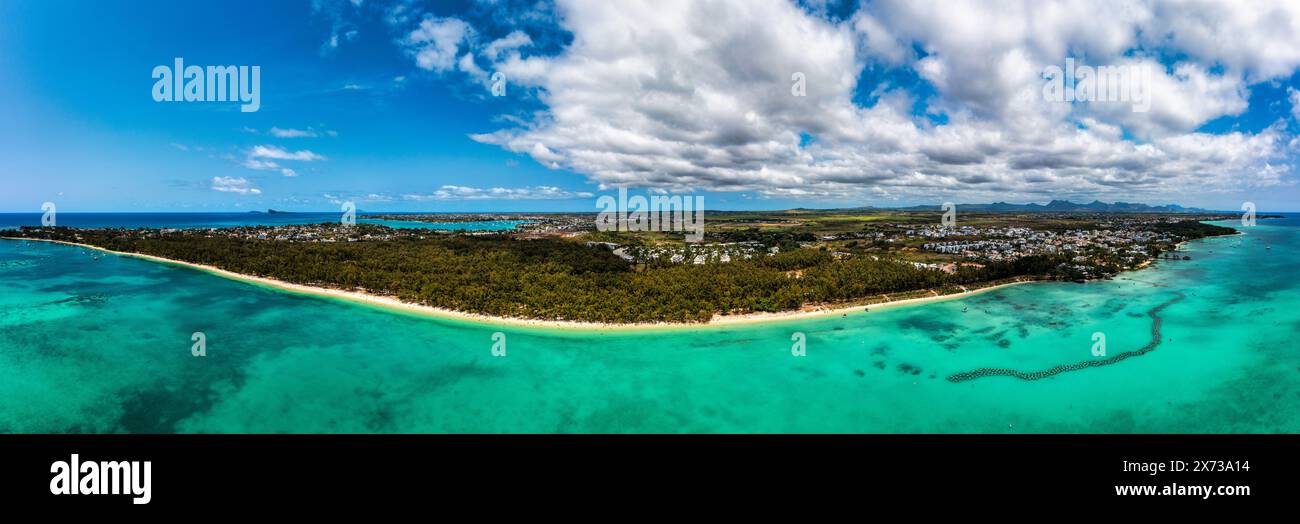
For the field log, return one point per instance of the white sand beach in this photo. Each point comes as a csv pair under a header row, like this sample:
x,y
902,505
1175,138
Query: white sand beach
x,y
392,303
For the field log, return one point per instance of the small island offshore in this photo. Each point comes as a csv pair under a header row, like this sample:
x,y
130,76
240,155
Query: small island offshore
x,y
751,265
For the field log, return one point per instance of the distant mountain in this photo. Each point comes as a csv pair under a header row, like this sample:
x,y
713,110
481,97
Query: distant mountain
x,y
1067,206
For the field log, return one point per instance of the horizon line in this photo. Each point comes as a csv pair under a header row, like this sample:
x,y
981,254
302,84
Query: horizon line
x,y
553,212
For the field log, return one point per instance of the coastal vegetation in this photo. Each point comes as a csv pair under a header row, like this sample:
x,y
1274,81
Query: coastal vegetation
x,y
560,278
551,279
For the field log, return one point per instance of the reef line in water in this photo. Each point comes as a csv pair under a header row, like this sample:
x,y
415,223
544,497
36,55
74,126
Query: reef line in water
x,y
1154,313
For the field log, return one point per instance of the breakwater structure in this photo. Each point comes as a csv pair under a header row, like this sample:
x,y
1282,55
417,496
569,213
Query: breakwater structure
x,y
1156,320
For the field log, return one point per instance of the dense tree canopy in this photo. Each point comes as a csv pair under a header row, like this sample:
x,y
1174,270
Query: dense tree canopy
x,y
558,279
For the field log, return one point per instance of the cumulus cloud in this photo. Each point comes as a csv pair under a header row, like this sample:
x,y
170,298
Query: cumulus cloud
x,y
264,158
1260,39
451,192
435,43
514,40
996,73
681,94
1181,100
240,185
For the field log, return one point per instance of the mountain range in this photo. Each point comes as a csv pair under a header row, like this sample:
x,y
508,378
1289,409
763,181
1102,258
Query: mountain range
x,y
1067,206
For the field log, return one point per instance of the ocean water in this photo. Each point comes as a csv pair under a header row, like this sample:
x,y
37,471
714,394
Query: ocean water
x,y
208,220
104,346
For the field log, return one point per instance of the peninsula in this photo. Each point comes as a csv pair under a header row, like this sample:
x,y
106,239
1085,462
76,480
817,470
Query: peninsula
x,y
751,266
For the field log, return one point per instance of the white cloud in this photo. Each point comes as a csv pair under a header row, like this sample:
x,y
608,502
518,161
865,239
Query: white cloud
x,y
1181,100
266,157
1294,96
686,94
514,40
261,165
337,12
294,133
238,185
400,13
279,153
436,41
450,192
467,64
1260,38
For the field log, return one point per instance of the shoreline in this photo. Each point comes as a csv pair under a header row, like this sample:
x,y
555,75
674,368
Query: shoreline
x,y
389,303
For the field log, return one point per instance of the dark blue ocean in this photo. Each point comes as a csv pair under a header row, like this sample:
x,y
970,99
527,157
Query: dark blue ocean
x,y
209,220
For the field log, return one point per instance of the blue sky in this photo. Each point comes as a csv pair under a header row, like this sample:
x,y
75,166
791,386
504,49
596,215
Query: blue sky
x,y
89,134
392,114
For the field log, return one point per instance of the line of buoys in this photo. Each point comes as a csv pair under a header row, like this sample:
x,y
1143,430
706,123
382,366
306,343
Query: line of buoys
x,y
1154,313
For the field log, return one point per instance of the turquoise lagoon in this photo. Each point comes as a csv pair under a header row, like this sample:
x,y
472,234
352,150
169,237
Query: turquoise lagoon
x,y
103,346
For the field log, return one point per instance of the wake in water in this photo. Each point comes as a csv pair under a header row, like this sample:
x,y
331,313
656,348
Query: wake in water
x,y
1154,313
